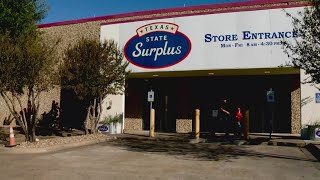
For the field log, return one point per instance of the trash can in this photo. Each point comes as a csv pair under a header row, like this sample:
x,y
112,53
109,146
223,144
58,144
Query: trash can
x,y
305,133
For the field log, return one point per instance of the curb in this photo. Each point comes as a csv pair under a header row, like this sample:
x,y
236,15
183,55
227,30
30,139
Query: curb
x,y
288,144
55,148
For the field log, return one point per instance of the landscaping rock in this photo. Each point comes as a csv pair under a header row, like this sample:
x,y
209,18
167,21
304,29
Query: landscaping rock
x,y
45,143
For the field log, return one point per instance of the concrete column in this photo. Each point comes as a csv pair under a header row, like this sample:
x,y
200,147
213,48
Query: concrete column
x,y
152,116
246,126
197,128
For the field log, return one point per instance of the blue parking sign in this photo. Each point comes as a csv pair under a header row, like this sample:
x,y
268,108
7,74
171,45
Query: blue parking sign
x,y
317,97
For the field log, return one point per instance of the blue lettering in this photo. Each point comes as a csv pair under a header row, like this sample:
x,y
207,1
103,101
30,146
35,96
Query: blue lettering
x,y
295,34
267,36
288,34
254,36
234,37
274,35
207,38
246,35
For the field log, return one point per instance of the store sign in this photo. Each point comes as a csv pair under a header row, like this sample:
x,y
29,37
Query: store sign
x,y
249,39
157,45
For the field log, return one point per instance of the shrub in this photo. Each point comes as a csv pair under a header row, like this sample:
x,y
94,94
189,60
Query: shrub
x,y
113,119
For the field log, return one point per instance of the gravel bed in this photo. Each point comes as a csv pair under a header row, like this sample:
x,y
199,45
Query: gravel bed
x,y
64,140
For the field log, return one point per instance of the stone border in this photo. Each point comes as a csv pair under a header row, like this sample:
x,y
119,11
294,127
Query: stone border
x,y
55,147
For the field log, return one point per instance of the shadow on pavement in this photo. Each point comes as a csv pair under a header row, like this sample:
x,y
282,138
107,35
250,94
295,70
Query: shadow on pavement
x,y
182,149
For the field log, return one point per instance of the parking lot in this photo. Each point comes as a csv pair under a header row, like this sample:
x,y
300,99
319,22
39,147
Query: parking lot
x,y
143,158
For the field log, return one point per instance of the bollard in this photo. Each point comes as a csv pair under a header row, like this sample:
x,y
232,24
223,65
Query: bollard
x,y
246,126
197,128
152,115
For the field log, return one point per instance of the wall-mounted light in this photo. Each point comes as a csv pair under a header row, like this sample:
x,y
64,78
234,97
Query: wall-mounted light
x,y
155,75
211,73
267,72
110,104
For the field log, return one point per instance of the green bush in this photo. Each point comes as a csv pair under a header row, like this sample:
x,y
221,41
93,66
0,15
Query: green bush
x,y
113,119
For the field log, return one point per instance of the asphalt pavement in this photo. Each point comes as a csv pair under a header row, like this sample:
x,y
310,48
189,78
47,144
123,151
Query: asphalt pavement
x,y
130,157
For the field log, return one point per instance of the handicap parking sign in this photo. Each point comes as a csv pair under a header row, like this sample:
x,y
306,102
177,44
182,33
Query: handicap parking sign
x,y
270,96
317,97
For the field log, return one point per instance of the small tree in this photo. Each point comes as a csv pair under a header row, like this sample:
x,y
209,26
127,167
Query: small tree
x,y
19,18
94,70
305,51
26,68
27,65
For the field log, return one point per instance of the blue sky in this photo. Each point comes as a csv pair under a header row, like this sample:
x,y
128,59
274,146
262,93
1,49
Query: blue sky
x,y
62,10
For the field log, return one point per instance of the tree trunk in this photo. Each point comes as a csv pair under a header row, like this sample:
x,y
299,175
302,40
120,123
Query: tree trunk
x,y
87,120
99,110
93,116
20,119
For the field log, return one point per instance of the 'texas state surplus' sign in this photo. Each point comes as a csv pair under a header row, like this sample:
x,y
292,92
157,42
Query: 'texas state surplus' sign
x,y
157,45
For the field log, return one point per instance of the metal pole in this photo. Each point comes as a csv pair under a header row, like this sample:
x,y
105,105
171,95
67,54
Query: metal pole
x,y
197,128
152,115
246,126
271,123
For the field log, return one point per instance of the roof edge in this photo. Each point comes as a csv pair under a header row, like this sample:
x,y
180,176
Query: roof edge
x,y
180,9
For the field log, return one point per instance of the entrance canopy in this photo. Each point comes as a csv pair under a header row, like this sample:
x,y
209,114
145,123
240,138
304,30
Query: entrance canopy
x,y
222,72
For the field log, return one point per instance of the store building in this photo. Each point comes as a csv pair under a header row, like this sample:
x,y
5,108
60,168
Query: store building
x,y
192,58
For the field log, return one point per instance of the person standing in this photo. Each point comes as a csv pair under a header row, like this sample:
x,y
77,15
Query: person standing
x,y
239,119
226,116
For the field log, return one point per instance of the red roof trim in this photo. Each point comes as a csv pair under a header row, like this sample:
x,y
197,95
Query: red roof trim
x,y
212,6
215,12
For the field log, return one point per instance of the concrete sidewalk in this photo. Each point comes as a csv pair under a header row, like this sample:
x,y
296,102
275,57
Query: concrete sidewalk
x,y
277,139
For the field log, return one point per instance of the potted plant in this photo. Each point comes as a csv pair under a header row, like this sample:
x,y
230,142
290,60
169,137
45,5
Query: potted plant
x,y
310,131
114,123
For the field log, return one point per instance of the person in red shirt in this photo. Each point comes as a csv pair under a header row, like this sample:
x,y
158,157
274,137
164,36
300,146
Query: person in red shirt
x,y
239,119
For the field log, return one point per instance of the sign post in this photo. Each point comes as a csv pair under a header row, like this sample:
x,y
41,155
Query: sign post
x,y
150,97
270,101
152,113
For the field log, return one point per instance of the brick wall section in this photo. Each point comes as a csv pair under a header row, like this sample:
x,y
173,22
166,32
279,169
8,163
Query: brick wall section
x,y
133,124
295,111
68,35
183,125
46,99
201,11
